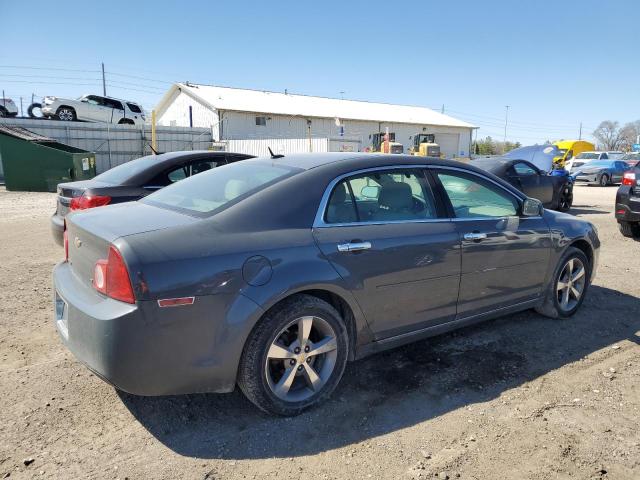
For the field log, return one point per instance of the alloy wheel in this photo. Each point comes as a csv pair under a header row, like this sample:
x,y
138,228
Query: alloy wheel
x,y
604,180
301,359
65,114
571,283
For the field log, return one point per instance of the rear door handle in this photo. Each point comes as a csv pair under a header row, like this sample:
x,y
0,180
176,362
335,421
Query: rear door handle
x,y
475,236
353,246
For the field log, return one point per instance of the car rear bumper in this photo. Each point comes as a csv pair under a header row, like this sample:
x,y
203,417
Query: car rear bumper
x,y
627,205
147,350
57,228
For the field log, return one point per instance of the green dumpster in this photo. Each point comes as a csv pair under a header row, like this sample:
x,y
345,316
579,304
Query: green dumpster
x,y
35,163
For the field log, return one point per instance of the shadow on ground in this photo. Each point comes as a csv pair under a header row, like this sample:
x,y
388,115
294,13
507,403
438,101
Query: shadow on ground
x,y
395,389
585,210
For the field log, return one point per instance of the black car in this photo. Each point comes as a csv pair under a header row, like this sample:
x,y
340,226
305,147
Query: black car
x,y
554,191
272,273
628,203
134,180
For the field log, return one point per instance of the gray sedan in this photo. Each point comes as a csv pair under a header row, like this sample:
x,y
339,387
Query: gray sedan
x,y
601,172
273,273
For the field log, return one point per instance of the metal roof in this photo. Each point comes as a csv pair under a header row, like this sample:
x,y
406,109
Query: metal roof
x,y
24,134
258,101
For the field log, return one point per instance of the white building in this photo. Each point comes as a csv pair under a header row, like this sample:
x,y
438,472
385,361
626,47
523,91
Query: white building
x,y
250,120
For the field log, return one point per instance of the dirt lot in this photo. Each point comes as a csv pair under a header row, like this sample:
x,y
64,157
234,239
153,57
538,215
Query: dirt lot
x,y
515,398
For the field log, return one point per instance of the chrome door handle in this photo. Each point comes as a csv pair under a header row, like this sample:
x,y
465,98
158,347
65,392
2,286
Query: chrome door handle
x,y
475,236
354,246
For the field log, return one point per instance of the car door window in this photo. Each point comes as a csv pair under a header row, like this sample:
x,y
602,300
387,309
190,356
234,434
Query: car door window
x,y
472,196
523,170
604,156
178,174
381,196
95,100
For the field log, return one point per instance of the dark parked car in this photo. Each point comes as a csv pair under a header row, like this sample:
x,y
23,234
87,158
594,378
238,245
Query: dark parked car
x,y
273,273
628,203
601,172
132,181
632,158
554,191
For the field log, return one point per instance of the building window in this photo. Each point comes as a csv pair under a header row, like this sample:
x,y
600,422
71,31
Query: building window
x,y
261,121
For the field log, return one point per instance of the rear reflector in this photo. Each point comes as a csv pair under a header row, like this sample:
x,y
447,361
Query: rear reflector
x,y
89,201
629,178
176,302
620,212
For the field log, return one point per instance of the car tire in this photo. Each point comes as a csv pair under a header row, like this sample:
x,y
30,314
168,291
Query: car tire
x,y
35,107
3,113
553,304
66,114
629,229
566,200
283,384
603,181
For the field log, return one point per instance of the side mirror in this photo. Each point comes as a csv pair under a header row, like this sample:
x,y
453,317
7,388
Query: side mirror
x,y
531,207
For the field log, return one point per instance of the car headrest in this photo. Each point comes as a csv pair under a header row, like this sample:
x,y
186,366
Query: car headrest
x,y
201,167
395,196
234,188
339,194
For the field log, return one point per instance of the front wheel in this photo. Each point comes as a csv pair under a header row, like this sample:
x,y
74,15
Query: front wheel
x,y
565,293
604,180
566,200
295,356
66,114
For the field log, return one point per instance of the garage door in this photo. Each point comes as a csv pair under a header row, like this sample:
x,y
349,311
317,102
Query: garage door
x,y
448,143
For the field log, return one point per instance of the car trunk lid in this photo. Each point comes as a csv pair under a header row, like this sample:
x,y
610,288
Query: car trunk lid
x,y
70,190
91,232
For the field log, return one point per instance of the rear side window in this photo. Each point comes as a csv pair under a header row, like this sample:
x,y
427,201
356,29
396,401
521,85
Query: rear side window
x,y
134,108
381,196
221,187
473,197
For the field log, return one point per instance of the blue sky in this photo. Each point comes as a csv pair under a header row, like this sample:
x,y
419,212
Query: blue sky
x,y
555,63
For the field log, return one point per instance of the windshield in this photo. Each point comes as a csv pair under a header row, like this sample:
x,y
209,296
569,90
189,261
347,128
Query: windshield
x,y
588,156
122,173
212,191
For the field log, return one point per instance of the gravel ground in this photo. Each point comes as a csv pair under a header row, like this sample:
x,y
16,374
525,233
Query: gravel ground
x,y
521,397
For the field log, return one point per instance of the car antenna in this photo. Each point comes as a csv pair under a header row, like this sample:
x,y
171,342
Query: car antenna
x,y
273,155
152,149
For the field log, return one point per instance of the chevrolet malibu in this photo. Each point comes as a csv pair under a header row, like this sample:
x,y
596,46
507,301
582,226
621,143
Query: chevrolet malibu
x,y
273,273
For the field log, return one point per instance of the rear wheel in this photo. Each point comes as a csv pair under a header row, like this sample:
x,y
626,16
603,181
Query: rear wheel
x,y
66,114
604,180
295,356
565,293
629,229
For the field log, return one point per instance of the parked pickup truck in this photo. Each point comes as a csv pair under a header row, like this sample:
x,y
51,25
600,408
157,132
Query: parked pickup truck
x,y
93,108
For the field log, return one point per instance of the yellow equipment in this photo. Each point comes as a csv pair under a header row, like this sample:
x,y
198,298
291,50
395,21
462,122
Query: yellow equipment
x,y
380,146
424,145
570,149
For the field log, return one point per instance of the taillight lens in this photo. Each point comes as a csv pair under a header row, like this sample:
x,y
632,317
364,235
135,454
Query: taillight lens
x,y
89,201
629,178
111,277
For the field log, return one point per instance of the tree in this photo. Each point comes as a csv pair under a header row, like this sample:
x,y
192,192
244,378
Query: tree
x,y
629,134
609,135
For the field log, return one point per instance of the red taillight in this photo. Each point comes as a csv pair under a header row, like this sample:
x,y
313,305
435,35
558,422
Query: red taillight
x,y
629,178
111,278
89,201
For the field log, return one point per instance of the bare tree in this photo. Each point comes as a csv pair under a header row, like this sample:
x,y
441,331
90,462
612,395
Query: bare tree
x,y
629,134
609,135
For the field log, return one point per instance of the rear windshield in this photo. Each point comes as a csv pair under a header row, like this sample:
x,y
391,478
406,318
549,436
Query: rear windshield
x,y
122,173
214,190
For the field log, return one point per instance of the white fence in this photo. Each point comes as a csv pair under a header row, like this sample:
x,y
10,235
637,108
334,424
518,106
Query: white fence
x,y
116,144
260,147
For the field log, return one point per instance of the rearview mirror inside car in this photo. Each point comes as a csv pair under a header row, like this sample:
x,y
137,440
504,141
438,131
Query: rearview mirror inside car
x,y
531,207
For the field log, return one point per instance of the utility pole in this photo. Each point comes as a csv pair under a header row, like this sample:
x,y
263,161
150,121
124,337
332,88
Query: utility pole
x,y
506,121
104,84
580,133
21,112
442,111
